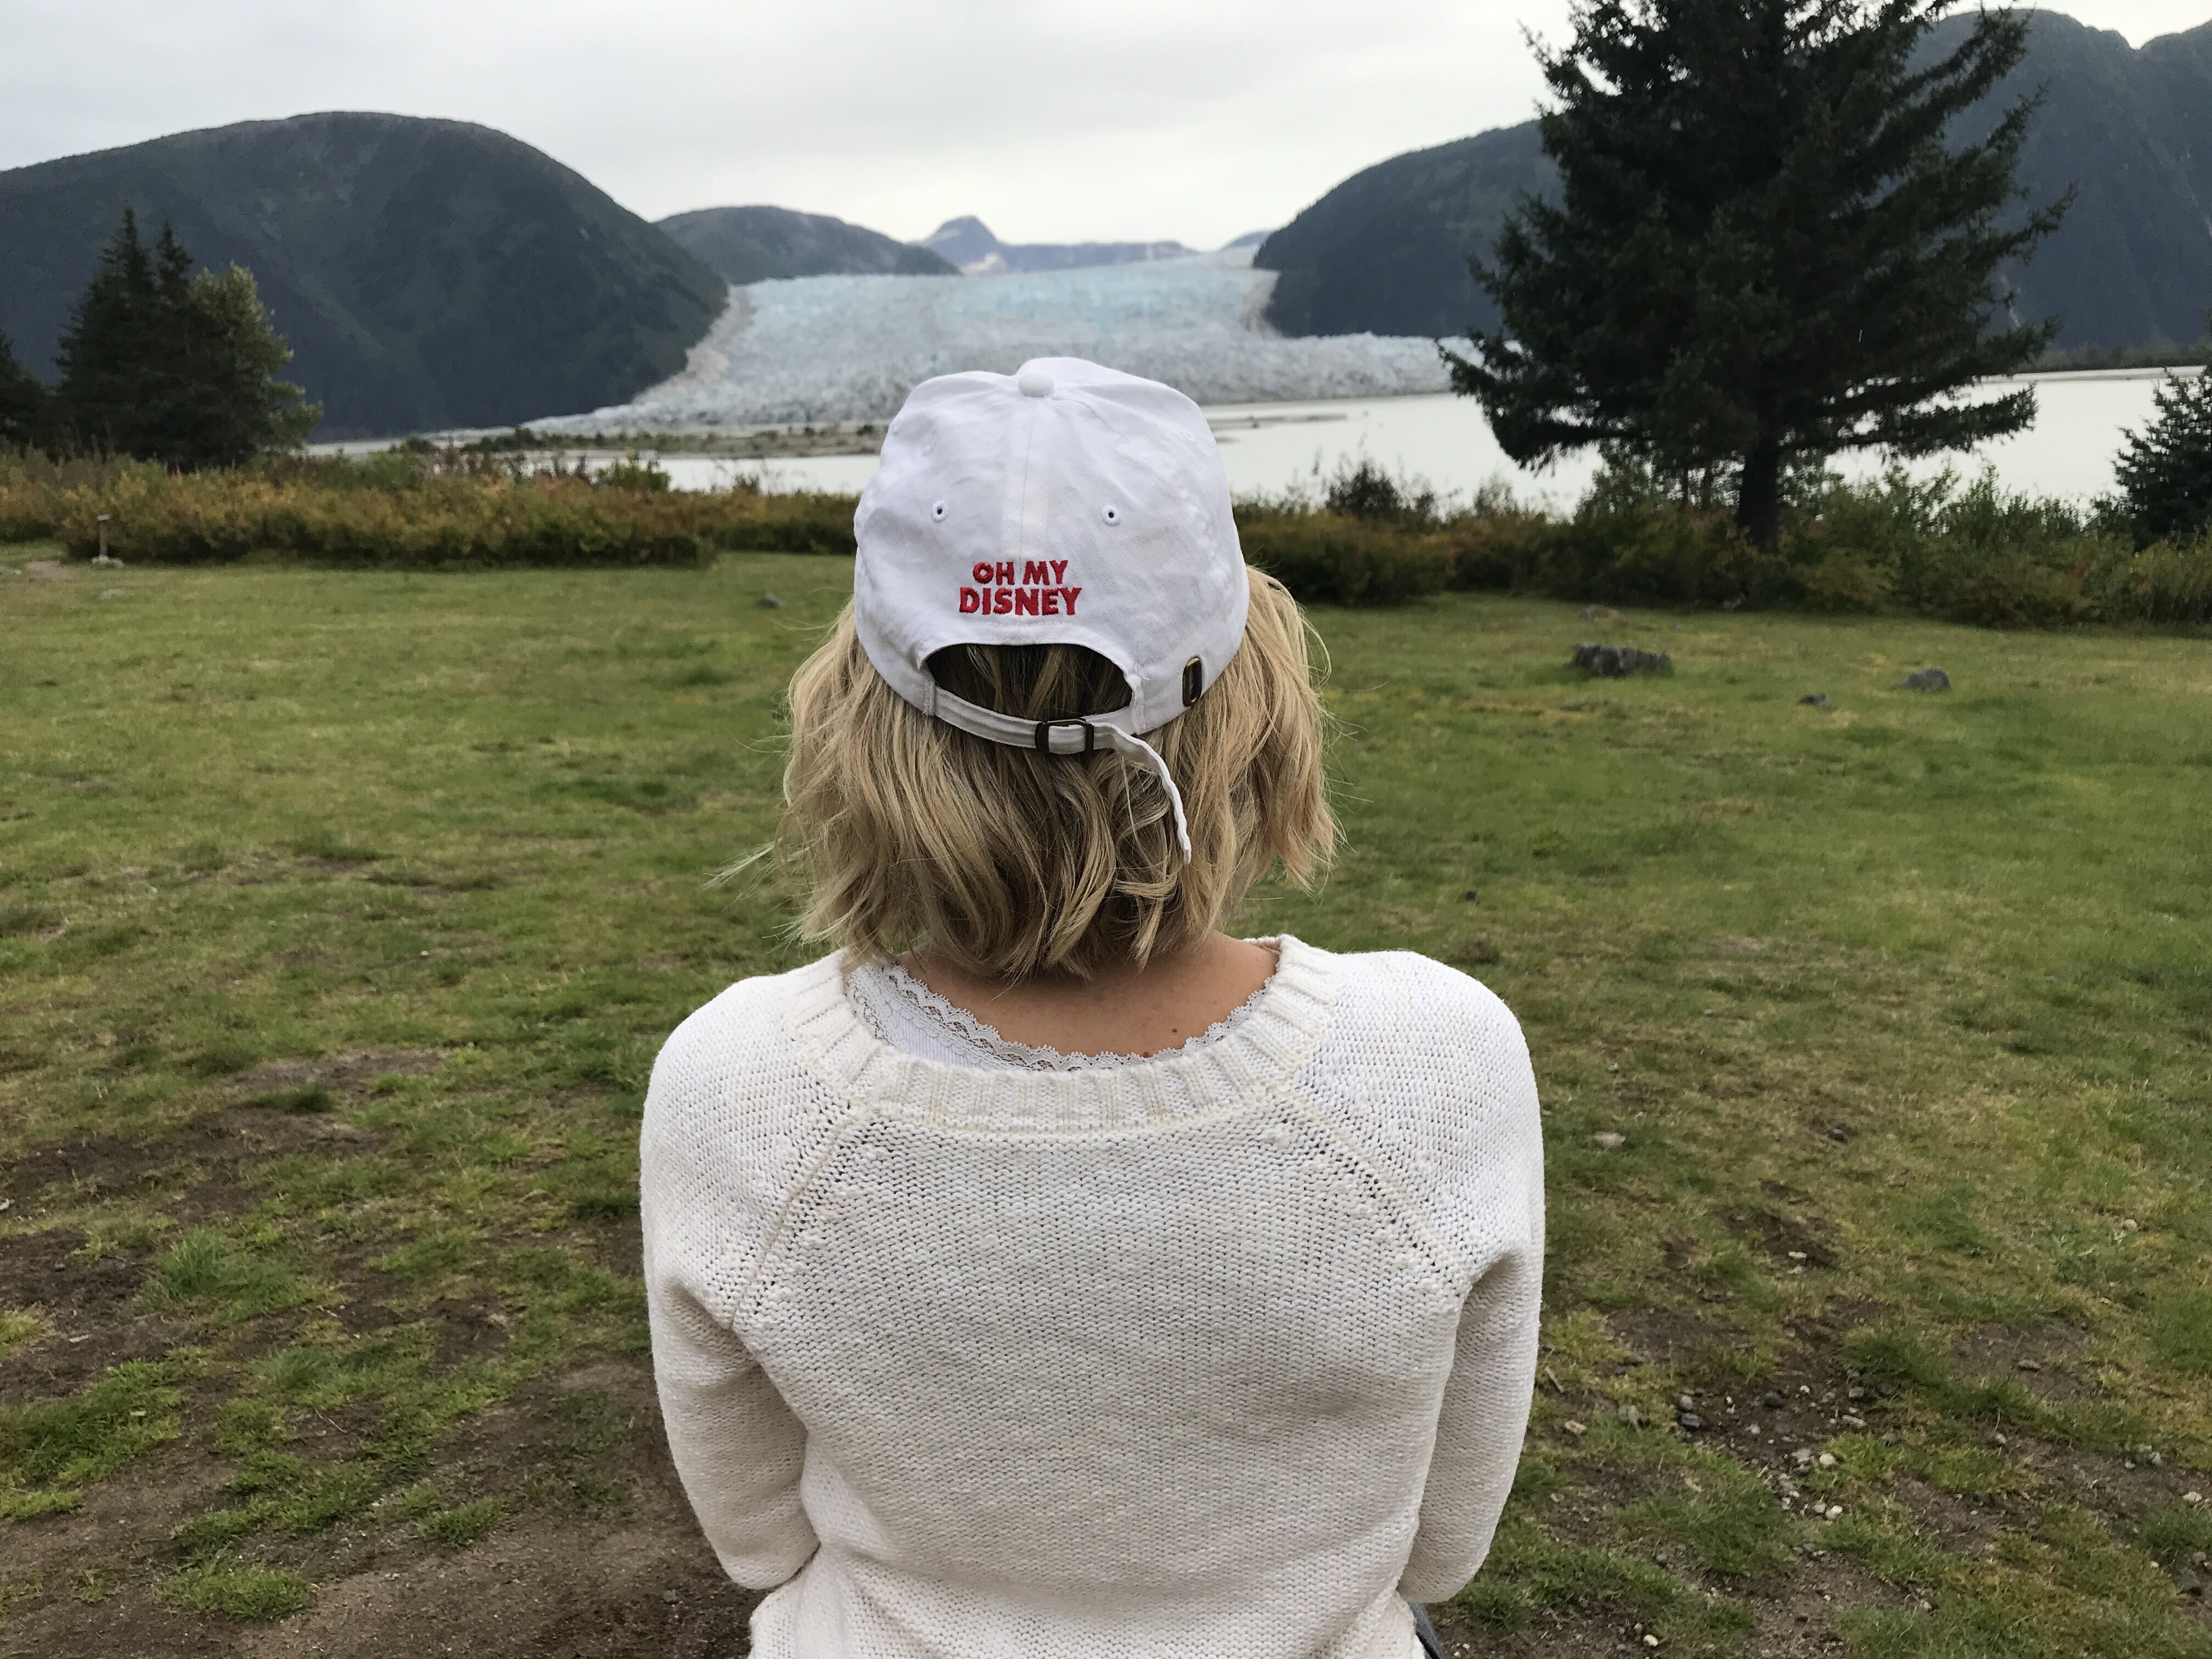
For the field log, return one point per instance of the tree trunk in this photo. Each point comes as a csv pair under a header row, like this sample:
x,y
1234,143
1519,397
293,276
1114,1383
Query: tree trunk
x,y
1759,497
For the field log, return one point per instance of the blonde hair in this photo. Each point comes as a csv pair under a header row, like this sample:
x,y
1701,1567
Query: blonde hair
x,y
1011,862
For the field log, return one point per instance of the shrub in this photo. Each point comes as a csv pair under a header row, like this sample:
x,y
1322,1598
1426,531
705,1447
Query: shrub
x,y
2165,471
1364,491
397,510
1327,558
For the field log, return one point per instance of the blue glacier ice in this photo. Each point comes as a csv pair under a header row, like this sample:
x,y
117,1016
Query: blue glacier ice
x,y
823,349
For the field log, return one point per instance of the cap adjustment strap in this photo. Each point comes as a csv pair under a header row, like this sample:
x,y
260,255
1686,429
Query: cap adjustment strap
x,y
1044,734
1056,738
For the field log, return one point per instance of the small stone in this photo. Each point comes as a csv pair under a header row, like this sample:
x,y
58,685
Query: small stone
x,y
2192,1497
1850,1422
1854,1392
1770,1399
1814,700
669,1595
1598,613
2027,1364
1927,680
1573,1427
1684,1402
2190,1584
1651,1641
1607,1141
2129,1226
1690,1420
1631,1415
1840,1132
1835,1511
1827,1460
1803,1457
769,602
1796,1255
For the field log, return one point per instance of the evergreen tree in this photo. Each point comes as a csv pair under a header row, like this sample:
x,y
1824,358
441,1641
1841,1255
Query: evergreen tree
x,y
236,407
2165,469
174,366
1765,252
23,402
101,398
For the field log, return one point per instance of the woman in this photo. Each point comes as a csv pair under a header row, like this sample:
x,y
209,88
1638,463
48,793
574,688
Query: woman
x,y
1046,1272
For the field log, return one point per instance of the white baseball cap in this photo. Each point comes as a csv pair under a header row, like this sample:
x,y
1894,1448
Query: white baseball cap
x,y
1064,504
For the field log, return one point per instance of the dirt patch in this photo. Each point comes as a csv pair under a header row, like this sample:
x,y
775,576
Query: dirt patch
x,y
115,1546
1798,1619
1663,1336
346,1073
599,1556
51,570
194,1173
86,1305
1551,1633
548,1588
2045,1357
1789,1237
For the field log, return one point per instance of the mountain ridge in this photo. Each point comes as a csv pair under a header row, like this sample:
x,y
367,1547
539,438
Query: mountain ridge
x,y
1386,249
417,266
759,243
968,243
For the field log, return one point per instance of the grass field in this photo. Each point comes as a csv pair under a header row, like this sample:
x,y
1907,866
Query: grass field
x,y
341,916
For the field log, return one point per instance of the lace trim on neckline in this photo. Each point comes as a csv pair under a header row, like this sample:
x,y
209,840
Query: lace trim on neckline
x,y
968,1029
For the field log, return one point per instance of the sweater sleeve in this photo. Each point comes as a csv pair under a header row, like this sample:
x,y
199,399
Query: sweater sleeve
x,y
1487,1399
738,1447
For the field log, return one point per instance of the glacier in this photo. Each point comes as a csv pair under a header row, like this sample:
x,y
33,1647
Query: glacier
x,y
815,350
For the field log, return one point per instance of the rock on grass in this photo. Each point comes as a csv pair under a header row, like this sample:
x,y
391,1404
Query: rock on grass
x,y
1618,661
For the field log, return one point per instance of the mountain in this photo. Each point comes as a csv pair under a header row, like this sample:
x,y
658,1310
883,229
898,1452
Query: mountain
x,y
2129,129
1386,251
427,273
755,244
968,243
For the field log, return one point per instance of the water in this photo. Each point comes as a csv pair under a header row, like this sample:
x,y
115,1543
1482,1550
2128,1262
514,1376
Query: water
x,y
1269,447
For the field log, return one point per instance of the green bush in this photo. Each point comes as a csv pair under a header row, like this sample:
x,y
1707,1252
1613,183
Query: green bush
x,y
1330,558
2165,471
1975,553
400,509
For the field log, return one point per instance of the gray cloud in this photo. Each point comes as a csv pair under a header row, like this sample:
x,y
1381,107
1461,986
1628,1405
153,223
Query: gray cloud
x,y
1053,119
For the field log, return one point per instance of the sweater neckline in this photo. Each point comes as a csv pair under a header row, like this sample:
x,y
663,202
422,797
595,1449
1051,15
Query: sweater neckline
x,y
1273,1035
964,1030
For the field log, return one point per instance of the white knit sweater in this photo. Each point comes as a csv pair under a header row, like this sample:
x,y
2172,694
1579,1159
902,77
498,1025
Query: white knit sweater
x,y
1216,1356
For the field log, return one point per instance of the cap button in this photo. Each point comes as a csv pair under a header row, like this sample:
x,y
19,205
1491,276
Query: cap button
x,y
1034,383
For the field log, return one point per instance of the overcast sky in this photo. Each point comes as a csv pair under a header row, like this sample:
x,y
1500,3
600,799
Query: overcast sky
x,y
1055,120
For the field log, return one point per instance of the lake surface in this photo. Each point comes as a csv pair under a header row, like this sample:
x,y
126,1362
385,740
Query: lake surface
x,y
1271,447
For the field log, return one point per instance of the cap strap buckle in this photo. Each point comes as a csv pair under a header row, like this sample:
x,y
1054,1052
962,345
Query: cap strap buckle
x,y
1044,734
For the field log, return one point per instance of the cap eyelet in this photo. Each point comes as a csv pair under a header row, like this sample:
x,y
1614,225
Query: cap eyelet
x,y
1111,514
938,512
